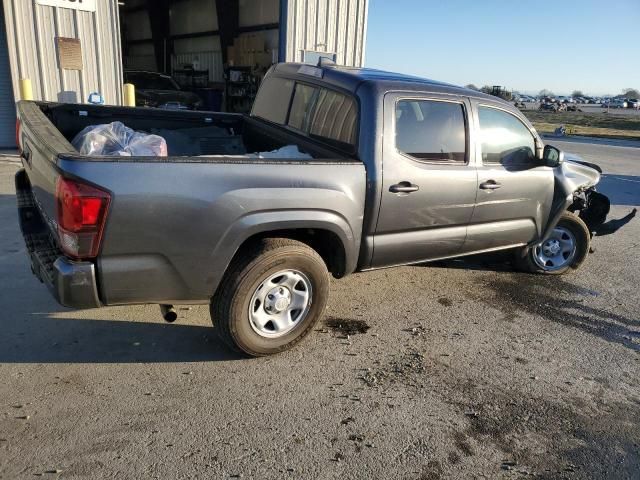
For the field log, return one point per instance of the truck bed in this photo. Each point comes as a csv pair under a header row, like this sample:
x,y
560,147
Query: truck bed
x,y
174,223
187,133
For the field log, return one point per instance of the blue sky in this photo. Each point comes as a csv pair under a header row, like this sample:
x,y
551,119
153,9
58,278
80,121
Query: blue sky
x,y
561,45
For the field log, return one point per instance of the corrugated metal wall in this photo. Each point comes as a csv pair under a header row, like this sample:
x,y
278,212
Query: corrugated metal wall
x,y
211,61
31,36
331,26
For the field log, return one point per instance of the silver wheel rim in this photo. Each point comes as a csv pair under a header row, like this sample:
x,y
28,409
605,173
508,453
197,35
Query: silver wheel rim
x,y
557,251
280,303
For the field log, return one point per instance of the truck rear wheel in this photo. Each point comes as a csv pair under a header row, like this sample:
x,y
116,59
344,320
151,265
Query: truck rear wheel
x,y
271,297
565,249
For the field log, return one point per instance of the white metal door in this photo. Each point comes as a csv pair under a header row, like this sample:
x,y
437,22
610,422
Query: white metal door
x,y
7,105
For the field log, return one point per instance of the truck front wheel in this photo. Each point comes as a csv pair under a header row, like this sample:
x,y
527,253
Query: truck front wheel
x,y
273,294
565,249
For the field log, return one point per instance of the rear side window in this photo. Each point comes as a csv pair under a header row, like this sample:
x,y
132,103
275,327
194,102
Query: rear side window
x,y
431,130
272,103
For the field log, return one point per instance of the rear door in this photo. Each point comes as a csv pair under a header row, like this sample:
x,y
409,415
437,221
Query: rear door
x,y
515,191
429,179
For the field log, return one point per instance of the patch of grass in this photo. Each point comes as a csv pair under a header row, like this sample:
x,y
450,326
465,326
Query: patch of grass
x,y
603,124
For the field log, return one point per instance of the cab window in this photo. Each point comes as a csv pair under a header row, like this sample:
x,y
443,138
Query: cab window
x,y
505,139
272,102
314,111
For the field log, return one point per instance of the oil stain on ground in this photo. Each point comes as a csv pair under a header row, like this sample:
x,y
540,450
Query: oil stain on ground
x,y
347,326
445,301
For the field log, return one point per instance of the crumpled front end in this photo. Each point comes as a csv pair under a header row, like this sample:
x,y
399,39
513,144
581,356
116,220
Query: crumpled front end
x,y
575,191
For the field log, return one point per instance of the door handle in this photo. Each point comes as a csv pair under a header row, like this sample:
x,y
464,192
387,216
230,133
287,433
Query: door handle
x,y
490,185
404,187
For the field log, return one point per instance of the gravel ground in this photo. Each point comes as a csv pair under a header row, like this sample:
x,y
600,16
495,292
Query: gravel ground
x,y
461,369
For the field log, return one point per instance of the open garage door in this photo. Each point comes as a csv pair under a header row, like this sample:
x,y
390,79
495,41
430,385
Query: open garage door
x,y
7,104
216,49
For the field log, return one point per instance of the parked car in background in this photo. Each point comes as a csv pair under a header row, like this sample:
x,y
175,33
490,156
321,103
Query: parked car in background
x,y
618,103
161,91
633,103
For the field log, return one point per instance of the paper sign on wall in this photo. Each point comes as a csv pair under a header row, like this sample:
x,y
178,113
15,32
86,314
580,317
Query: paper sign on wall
x,y
69,53
86,5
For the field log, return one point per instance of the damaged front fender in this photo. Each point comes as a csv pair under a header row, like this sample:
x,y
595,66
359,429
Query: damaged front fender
x,y
574,190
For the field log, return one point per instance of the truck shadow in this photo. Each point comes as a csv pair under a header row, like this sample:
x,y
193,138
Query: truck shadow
x,y
53,338
47,338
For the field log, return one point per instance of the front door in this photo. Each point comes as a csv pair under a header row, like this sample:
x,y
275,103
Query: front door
x,y
429,180
515,190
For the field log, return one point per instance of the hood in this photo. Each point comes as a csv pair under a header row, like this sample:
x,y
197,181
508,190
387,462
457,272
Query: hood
x,y
577,174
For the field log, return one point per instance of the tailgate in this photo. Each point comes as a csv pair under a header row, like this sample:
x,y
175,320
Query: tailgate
x,y
71,283
40,143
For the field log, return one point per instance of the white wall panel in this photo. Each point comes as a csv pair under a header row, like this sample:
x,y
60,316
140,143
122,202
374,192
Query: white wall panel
x,y
198,44
258,12
211,61
32,31
332,26
193,16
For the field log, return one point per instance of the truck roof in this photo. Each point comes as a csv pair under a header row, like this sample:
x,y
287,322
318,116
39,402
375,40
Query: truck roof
x,y
350,78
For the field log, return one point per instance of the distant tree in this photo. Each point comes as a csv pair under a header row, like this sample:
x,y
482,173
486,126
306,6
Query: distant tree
x,y
546,93
577,93
497,92
471,86
630,93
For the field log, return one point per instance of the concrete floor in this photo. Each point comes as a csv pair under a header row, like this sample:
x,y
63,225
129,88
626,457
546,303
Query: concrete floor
x,y
461,369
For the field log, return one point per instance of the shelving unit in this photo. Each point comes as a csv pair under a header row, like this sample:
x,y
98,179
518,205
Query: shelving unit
x,y
241,88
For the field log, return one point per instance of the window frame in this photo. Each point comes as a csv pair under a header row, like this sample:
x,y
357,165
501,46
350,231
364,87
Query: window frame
x,y
532,132
467,130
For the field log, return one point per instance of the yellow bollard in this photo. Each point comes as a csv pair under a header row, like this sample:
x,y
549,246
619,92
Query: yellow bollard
x,y
129,95
26,90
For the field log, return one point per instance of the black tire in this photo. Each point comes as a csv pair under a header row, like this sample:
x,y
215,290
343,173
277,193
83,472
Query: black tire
x,y
253,265
525,257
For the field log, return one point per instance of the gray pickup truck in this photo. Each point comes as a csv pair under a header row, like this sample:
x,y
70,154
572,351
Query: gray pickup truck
x,y
400,170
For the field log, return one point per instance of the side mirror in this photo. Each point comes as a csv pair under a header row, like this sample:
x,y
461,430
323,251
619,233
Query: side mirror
x,y
552,157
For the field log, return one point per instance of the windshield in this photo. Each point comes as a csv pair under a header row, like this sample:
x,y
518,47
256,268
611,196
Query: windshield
x,y
151,81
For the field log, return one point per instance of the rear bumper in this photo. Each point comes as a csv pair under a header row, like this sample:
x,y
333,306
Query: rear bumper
x,y
72,284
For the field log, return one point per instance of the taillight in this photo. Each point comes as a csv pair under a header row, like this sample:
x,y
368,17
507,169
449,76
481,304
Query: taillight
x,y
82,213
18,139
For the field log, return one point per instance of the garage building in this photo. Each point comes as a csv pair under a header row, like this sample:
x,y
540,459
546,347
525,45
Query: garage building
x,y
217,48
